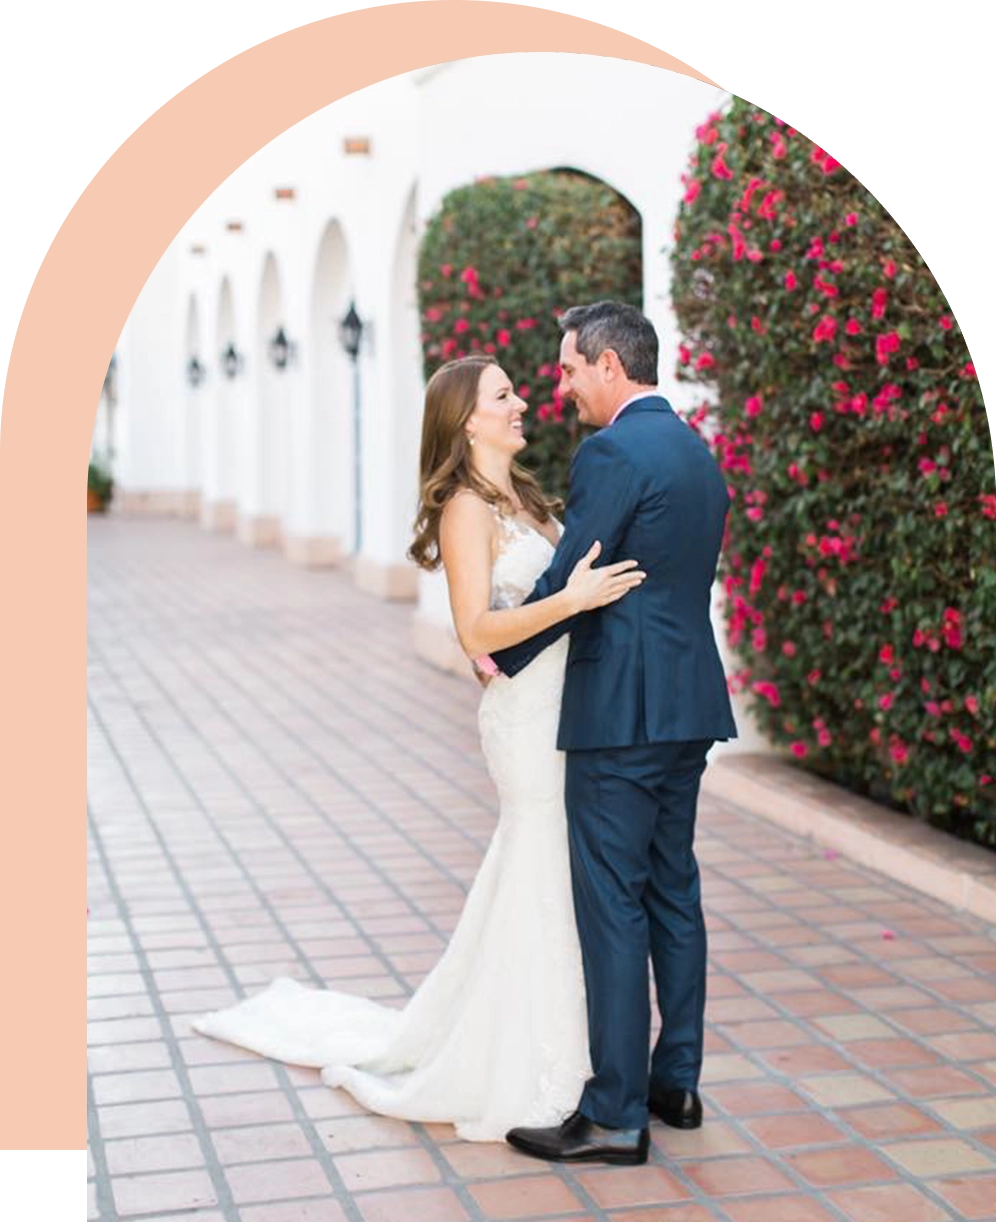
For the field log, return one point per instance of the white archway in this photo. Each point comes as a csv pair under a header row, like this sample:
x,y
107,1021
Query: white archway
x,y
263,476
326,481
190,439
407,389
221,434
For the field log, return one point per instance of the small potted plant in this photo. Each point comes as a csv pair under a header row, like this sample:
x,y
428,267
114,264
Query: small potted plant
x,y
99,487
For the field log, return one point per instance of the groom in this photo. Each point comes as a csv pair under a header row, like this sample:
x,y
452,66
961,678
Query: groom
x,y
644,699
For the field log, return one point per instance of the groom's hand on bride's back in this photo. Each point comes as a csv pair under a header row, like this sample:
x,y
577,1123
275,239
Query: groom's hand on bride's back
x,y
589,588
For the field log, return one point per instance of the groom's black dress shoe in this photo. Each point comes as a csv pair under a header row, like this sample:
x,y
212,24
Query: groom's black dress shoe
x,y
681,1109
580,1140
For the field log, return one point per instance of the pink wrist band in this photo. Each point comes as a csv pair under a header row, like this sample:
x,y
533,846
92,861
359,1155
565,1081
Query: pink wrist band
x,y
486,664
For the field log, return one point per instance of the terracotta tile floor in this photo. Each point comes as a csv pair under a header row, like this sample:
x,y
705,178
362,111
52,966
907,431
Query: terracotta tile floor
x,y
278,786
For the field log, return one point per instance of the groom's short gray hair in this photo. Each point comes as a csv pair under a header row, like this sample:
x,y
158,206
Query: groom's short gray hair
x,y
623,328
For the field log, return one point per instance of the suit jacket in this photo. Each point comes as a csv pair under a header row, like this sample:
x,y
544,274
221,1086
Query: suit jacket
x,y
644,669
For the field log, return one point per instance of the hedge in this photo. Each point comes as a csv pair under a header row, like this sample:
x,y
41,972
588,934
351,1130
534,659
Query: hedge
x,y
500,261
843,405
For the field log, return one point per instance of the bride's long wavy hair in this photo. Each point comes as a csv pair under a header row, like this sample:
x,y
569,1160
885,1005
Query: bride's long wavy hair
x,y
445,465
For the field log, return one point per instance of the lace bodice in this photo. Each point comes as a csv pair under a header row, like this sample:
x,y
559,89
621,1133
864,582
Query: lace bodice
x,y
524,553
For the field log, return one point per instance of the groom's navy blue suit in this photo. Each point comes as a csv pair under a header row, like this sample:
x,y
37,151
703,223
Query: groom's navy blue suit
x,y
645,697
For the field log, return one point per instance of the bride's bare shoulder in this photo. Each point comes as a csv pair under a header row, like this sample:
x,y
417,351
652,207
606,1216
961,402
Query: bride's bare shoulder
x,y
466,509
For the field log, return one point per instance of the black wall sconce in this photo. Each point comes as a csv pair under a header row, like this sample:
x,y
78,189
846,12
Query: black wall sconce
x,y
196,373
282,351
231,360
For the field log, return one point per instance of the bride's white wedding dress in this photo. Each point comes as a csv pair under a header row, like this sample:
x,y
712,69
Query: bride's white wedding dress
x,y
496,1034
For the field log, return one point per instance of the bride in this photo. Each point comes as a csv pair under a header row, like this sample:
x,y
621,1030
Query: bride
x,y
496,1034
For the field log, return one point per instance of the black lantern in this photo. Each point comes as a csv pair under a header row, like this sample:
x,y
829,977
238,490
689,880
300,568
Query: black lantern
x,y
231,361
281,350
196,373
351,332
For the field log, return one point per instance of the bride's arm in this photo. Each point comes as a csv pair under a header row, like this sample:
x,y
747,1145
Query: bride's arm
x,y
467,535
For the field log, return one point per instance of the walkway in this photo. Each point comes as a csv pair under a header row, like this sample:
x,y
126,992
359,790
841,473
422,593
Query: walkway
x,y
276,786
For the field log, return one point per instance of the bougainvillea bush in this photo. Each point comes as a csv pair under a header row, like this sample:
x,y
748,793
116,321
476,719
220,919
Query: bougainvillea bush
x,y
844,409
500,261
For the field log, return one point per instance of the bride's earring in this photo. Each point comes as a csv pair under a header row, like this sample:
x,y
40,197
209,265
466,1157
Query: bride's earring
x,y
470,438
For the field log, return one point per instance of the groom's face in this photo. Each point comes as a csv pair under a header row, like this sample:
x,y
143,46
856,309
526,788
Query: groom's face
x,y
583,384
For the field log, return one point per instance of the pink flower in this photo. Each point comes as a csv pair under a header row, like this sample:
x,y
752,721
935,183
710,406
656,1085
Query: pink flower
x,y
941,509
825,329
780,147
962,741
816,421
946,322
799,750
798,597
532,222
759,639
853,327
769,205
469,275
705,361
885,345
525,324
927,466
719,167
684,354
692,194
791,280
813,677
504,337
824,736
448,347
461,325
446,269
885,702
967,371
788,649
753,406
880,299
755,513
739,245
769,691
886,654
851,218
899,752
